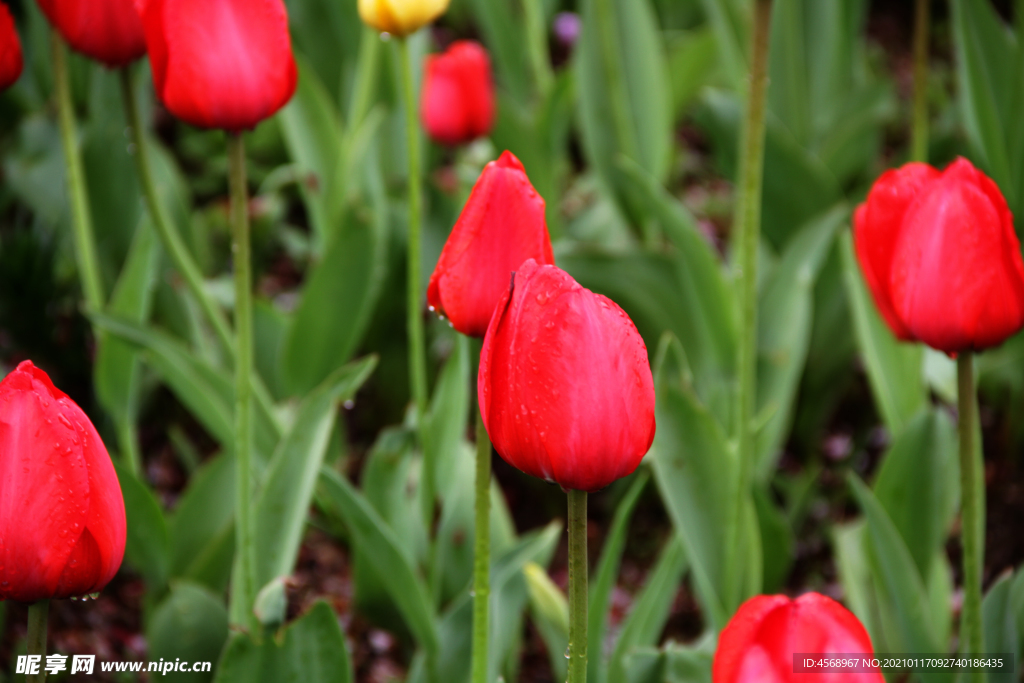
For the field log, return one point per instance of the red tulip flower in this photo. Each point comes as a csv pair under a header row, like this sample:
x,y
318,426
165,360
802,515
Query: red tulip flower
x,y
501,226
10,50
62,523
758,643
941,258
565,388
108,31
457,102
220,64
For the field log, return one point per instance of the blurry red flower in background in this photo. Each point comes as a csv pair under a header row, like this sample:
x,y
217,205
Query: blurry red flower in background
x,y
108,31
457,102
10,49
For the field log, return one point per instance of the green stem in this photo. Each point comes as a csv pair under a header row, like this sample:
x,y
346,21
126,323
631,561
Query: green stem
x,y
128,438
172,241
536,38
81,218
746,237
35,643
165,229
972,511
919,134
243,369
482,553
414,306
577,586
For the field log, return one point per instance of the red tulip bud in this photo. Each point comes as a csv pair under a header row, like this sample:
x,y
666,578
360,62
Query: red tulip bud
x,y
108,31
759,642
457,103
62,523
225,64
501,226
565,388
941,258
10,49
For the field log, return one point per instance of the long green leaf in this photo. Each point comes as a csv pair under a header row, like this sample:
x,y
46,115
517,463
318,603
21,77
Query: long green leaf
x,y
207,392
646,620
605,576
692,464
147,547
894,369
921,507
784,331
190,624
116,372
896,574
287,490
311,649
989,89
624,101
1000,626
372,535
201,530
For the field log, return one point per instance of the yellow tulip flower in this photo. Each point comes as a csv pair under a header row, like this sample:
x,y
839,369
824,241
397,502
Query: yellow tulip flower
x,y
400,17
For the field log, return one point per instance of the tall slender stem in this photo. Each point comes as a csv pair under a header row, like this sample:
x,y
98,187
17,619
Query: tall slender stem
x,y
414,305
972,511
165,229
577,586
35,643
172,241
81,218
482,552
919,133
243,368
747,231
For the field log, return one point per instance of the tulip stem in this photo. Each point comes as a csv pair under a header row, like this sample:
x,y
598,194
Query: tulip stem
x,y
81,217
746,237
165,229
240,248
577,586
972,511
919,134
417,353
171,240
482,552
35,643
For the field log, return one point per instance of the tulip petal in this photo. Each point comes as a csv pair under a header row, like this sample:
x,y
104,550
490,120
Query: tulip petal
x,y
108,31
957,279
225,64
500,227
62,519
564,382
877,225
11,61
